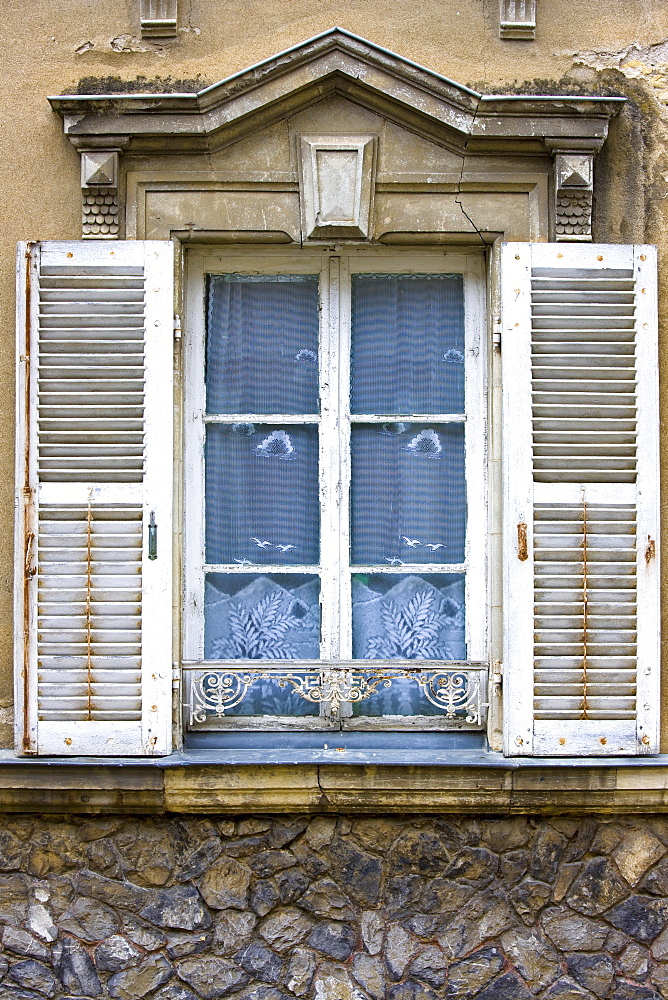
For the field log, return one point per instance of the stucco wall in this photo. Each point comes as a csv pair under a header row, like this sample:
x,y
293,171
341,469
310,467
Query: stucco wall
x,y
51,47
333,908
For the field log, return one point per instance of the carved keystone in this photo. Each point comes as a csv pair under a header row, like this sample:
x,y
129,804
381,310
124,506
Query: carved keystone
x,y
336,185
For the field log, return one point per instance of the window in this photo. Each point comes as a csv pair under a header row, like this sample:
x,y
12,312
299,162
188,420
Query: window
x,y
335,445
352,525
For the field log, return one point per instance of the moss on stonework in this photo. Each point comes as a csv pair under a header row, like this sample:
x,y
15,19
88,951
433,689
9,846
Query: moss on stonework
x,y
140,85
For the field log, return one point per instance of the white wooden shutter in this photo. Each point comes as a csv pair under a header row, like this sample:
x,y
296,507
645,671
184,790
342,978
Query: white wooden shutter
x,y
93,634
581,466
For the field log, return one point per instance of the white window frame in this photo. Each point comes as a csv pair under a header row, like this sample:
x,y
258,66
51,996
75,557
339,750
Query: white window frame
x,y
335,267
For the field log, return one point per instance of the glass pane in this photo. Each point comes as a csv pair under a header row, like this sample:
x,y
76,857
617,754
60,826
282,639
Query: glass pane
x,y
397,617
407,343
262,494
256,617
408,494
262,344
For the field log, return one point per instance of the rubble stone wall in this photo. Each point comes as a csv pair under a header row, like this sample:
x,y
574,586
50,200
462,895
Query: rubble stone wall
x,y
334,908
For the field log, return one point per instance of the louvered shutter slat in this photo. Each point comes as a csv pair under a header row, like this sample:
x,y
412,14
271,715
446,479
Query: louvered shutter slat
x,y
93,619
581,458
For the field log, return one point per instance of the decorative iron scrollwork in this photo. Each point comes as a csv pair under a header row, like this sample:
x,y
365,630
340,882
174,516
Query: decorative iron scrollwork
x,y
458,693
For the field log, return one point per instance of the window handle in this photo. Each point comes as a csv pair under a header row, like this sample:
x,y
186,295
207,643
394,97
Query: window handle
x,y
522,551
152,537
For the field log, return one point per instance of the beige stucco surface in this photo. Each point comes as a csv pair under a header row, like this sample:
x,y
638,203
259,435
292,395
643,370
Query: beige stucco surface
x,y
49,47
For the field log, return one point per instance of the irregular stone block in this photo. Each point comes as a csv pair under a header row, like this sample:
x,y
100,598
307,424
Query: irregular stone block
x,y
34,976
116,953
285,928
467,977
484,917
419,851
359,871
400,948
40,922
325,899
536,961
181,907
134,983
225,884
633,961
411,990
637,851
529,898
141,934
212,977
292,884
547,852
429,966
334,939
260,962
75,968
182,945
566,989
263,897
597,889
569,931
473,864
334,983
593,972
300,972
231,929
507,987
89,919
13,899
641,917
21,943
373,931
124,894
269,862
369,972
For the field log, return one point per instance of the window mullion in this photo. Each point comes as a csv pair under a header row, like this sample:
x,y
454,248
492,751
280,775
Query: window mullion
x,y
330,529
344,346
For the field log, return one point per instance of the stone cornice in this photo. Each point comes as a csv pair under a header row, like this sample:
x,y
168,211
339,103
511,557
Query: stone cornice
x,y
336,62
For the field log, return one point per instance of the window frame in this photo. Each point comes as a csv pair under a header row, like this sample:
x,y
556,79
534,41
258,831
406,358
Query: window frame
x,y
335,266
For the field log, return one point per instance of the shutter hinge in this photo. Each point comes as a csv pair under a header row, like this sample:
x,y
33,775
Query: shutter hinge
x,y
650,551
522,550
497,672
496,335
177,327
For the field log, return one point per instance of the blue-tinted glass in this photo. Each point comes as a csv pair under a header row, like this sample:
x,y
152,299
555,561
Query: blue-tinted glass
x,y
262,494
408,617
408,494
263,618
262,344
407,343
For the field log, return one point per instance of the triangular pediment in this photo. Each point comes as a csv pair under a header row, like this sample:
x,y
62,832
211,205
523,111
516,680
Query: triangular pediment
x,y
335,62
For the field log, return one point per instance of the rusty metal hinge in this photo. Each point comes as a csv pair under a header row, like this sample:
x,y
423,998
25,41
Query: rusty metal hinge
x,y
522,549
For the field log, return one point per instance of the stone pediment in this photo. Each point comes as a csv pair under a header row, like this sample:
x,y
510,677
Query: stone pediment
x,y
336,63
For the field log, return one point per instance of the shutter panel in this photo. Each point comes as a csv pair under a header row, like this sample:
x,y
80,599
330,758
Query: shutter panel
x,y
581,463
93,633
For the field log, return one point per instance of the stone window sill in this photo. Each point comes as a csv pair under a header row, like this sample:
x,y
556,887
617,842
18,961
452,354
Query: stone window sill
x,y
312,781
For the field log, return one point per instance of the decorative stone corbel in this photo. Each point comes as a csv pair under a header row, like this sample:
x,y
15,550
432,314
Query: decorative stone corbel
x,y
573,190
99,187
336,185
517,20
